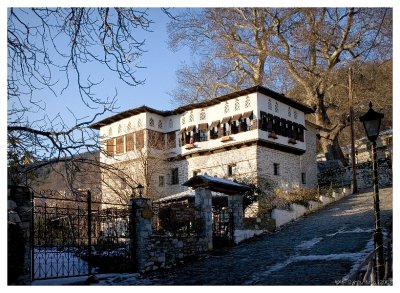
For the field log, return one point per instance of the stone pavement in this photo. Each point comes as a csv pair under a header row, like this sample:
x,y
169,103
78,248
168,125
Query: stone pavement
x,y
318,249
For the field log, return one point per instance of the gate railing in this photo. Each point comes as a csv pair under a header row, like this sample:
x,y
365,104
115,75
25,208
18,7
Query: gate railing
x,y
75,237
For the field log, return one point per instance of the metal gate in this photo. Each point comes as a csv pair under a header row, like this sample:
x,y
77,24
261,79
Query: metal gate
x,y
77,237
223,227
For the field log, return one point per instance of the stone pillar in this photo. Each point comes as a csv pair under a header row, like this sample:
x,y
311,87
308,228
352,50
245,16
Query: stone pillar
x,y
19,235
203,203
143,230
235,202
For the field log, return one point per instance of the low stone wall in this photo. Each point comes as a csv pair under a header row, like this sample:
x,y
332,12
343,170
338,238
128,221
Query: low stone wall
x,y
167,251
342,176
163,251
296,211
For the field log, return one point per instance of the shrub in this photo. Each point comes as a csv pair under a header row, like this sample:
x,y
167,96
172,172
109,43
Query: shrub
x,y
302,196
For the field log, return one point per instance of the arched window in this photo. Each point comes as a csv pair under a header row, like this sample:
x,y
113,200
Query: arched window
x,y
129,127
110,132
191,116
119,129
276,107
295,114
139,123
151,122
183,120
159,124
170,123
289,112
269,104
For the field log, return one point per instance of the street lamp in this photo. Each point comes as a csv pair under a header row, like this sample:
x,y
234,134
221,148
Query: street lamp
x,y
140,189
372,122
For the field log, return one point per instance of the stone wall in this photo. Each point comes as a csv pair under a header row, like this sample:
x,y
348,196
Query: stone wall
x,y
19,238
342,176
296,211
164,251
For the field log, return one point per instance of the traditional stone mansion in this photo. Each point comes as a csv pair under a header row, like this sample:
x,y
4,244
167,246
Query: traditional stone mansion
x,y
253,133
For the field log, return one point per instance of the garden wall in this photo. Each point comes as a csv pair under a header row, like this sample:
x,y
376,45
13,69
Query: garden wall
x,y
341,177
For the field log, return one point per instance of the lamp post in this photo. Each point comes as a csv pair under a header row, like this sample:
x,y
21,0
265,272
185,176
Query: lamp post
x,y
140,189
372,122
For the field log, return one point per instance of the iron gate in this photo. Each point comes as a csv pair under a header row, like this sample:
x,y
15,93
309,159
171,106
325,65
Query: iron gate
x,y
223,227
77,237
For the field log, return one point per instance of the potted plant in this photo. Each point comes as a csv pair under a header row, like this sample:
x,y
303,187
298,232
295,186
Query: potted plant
x,y
272,134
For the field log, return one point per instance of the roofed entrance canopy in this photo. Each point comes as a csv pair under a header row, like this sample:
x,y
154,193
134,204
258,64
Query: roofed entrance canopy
x,y
216,184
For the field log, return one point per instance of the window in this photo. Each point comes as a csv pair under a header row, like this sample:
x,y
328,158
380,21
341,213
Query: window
x,y
151,122
303,178
129,142
139,139
120,144
191,117
276,107
174,176
183,120
235,123
295,114
224,127
139,123
203,131
214,129
155,140
269,104
110,147
289,112
159,124
202,115
230,170
161,181
226,108
110,131
129,127
247,103
171,140
276,169
237,105
170,123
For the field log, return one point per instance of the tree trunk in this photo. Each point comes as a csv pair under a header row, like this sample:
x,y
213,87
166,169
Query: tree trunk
x,y
329,140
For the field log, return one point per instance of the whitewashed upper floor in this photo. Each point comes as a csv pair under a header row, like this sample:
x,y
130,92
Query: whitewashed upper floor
x,y
255,114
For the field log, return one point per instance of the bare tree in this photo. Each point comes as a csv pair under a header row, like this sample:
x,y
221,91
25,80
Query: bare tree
x,y
51,50
250,46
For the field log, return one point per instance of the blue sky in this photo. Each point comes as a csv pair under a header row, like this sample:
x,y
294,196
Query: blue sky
x,y
159,72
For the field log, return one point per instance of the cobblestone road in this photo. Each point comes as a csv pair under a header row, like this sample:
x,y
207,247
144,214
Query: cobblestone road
x,y
318,249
